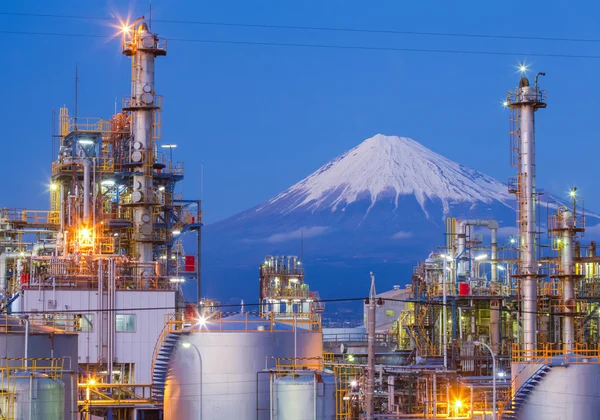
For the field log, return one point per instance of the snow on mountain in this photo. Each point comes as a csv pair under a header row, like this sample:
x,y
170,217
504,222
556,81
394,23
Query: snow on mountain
x,y
386,190
378,207
388,166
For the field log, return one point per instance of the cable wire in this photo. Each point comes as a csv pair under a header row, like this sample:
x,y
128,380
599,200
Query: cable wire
x,y
317,28
325,46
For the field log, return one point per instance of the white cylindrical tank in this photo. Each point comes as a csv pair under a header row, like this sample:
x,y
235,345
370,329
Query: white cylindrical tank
x,y
32,396
566,392
219,372
304,396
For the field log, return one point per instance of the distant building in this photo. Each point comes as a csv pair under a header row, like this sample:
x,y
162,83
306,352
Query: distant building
x,y
389,312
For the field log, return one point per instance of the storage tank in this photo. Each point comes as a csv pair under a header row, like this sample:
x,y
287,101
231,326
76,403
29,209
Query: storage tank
x,y
568,391
216,371
43,342
27,395
304,396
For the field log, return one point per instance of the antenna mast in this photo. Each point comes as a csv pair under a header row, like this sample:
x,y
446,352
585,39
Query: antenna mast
x,y
76,90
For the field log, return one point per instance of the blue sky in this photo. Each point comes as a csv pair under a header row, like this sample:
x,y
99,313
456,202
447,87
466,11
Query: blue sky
x,y
263,117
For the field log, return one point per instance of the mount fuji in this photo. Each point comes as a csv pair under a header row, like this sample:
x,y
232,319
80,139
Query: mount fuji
x,y
379,207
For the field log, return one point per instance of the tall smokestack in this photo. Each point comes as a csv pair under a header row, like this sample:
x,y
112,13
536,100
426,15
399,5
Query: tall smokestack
x,y
143,47
525,101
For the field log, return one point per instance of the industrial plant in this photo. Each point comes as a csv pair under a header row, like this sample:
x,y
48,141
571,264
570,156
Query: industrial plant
x,y
95,325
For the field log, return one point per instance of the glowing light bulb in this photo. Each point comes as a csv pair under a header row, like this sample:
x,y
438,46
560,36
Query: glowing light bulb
x,y
458,404
84,234
522,68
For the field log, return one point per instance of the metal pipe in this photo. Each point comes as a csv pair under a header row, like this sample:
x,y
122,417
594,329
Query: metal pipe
x,y
30,395
26,343
462,240
495,325
445,313
434,395
271,393
101,314
528,228
460,326
4,257
494,274
527,101
315,394
567,224
86,190
479,343
143,48
199,266
371,314
391,392
471,410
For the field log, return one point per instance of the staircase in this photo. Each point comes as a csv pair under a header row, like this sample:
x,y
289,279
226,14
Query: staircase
x,y
512,407
422,343
161,364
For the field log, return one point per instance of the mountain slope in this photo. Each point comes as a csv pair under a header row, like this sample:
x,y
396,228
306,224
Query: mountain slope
x,y
388,166
385,200
379,207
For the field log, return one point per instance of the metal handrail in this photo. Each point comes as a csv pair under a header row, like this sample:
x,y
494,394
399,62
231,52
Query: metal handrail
x,y
113,395
508,403
173,322
579,354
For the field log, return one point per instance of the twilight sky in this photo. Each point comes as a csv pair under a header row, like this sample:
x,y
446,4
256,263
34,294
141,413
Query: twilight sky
x,y
262,117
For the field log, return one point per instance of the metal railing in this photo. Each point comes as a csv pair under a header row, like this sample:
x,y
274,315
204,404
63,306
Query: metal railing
x,y
347,378
359,337
129,102
13,368
31,217
298,363
97,394
66,322
173,322
548,354
287,292
88,124
220,322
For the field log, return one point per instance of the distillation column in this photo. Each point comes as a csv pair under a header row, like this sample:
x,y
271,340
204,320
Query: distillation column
x,y
526,100
143,47
567,225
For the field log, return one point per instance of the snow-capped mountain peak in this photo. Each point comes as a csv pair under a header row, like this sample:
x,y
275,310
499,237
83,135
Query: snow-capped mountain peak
x,y
389,166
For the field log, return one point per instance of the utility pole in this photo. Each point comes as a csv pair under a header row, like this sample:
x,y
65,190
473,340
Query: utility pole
x,y
371,314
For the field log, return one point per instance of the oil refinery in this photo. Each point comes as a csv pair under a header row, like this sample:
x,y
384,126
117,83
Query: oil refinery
x,y
95,325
